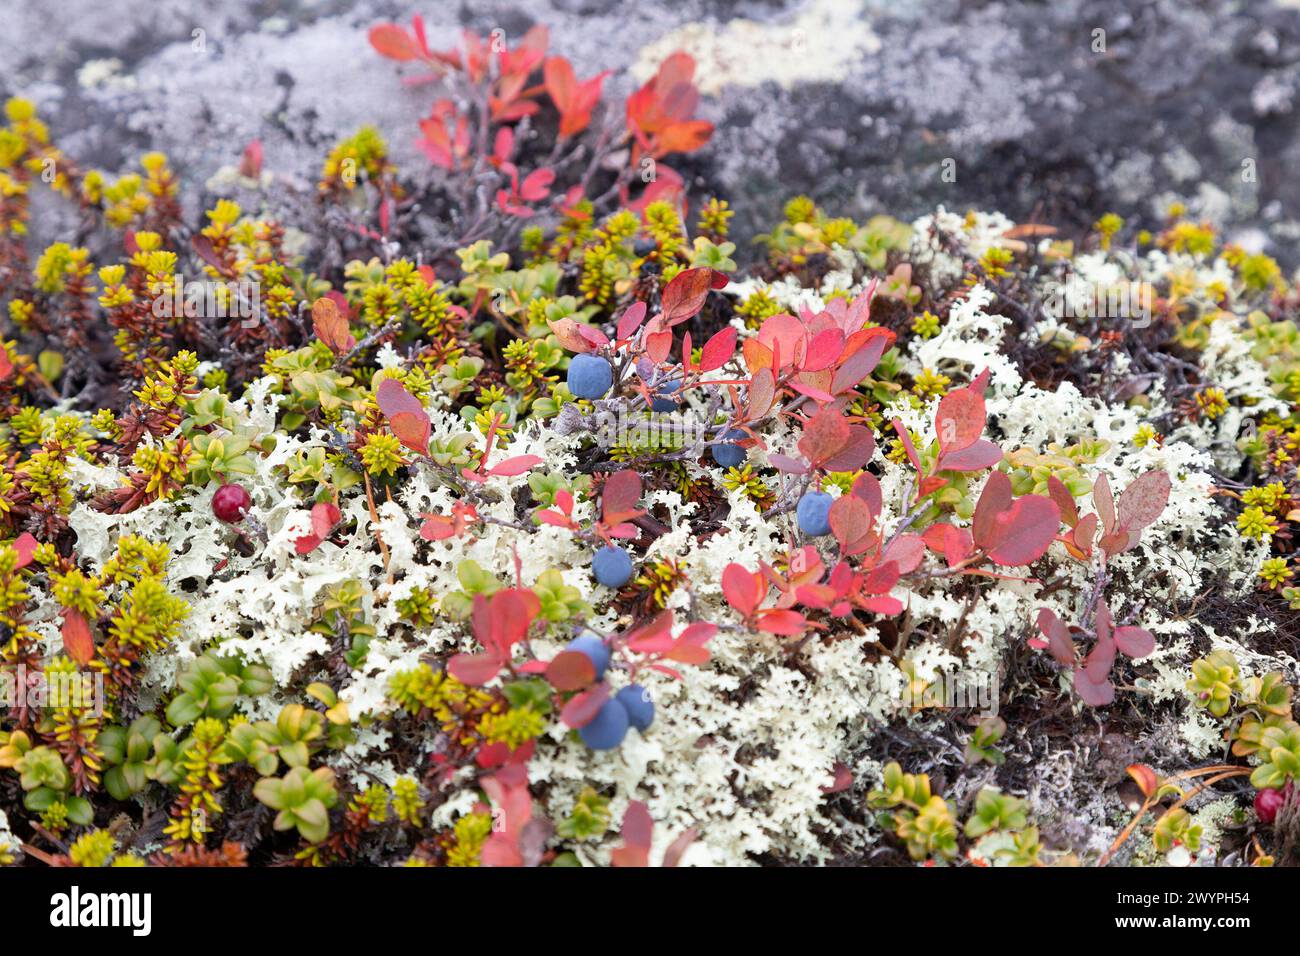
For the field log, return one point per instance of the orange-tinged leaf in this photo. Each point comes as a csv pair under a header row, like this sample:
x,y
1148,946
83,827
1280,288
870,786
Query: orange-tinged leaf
x,y
392,41
1145,778
77,639
685,294
331,326
762,392
412,430
570,670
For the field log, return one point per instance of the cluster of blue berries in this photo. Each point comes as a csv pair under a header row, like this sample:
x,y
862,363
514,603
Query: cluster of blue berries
x,y
630,707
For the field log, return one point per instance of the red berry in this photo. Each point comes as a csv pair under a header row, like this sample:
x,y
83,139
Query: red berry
x,y
231,503
1269,802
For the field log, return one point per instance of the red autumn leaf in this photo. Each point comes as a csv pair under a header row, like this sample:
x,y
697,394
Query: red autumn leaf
x,y
762,392
631,320
786,337
1057,491
851,522
1084,533
438,528
855,453
1058,642
77,639
842,779
1027,530
685,294
392,41
570,670
718,349
1095,693
823,435
1104,502
743,589
861,363
791,466
824,349
514,466
575,100
953,543
993,500
1096,666
412,430
659,625
867,487
907,551
638,829
689,647
205,250
677,849
1134,641
582,708
620,494
324,516
783,622
474,669
813,392
1143,500
331,326
6,364
905,437
657,339
982,454
25,544
959,422
405,413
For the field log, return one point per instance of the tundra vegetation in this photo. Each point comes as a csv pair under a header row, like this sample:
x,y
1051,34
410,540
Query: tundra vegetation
x,y
491,514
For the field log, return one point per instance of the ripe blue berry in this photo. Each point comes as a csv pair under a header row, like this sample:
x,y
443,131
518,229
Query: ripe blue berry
x,y
727,454
607,729
589,376
814,512
640,708
594,648
612,566
662,403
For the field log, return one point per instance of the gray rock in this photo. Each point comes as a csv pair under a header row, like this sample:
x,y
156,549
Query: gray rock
x,y
855,102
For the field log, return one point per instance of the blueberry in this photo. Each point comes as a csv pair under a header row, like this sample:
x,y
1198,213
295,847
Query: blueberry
x,y
814,512
640,708
612,566
661,402
727,454
594,648
589,376
607,729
